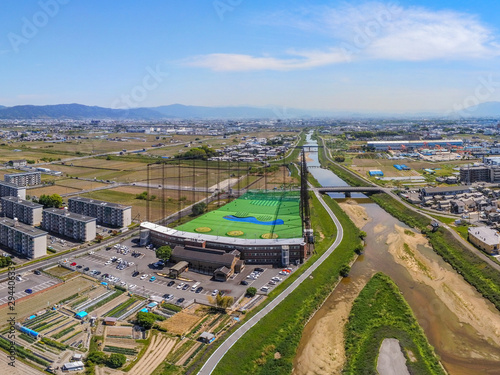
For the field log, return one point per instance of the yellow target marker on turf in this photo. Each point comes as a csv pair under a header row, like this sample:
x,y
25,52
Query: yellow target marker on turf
x,y
235,233
268,236
203,229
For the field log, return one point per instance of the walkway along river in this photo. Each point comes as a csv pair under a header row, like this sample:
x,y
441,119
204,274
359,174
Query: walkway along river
x,y
463,327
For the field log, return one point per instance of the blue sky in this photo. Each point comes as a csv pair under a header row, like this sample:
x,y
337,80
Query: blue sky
x,y
332,55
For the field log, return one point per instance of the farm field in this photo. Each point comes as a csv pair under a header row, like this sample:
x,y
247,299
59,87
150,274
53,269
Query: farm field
x,y
254,215
126,195
46,299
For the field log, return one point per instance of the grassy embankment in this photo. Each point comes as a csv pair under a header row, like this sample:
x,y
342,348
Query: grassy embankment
x,y
280,331
474,270
380,312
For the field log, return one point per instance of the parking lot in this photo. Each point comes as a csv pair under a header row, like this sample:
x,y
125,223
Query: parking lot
x,y
30,281
138,274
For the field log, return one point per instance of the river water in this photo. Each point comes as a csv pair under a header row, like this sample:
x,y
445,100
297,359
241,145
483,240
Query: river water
x,y
462,349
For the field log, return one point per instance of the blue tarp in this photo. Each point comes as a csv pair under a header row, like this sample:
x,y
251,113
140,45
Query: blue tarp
x,y
152,304
81,314
144,310
29,331
104,283
31,317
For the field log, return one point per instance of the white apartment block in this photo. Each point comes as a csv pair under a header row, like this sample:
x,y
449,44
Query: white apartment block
x,y
107,213
24,178
8,189
69,224
26,212
23,239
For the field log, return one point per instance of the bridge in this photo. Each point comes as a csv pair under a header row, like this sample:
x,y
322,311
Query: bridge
x,y
348,189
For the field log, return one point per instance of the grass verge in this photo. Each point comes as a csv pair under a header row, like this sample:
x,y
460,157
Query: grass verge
x,y
381,312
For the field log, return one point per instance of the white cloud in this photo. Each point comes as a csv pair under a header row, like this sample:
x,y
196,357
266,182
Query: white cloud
x,y
370,31
295,60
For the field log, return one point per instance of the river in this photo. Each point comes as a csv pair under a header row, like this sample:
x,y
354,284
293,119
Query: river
x,y
461,325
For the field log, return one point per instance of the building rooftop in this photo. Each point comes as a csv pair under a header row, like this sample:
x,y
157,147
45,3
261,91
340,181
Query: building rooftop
x,y
200,237
9,184
445,189
97,202
20,227
23,202
20,174
487,235
71,215
219,257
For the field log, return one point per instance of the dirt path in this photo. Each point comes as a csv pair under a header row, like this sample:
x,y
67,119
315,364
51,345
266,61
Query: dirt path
x,y
157,351
184,358
460,297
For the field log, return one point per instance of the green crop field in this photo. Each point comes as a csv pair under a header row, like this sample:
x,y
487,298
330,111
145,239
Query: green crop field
x,y
256,214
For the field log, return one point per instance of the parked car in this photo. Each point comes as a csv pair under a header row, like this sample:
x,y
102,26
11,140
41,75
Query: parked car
x,y
185,287
144,276
258,269
79,266
180,300
73,264
215,292
199,289
37,272
170,283
135,273
153,278
29,291
180,285
244,282
86,269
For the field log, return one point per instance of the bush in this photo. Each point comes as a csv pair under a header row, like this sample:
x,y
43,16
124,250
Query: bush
x,y
251,291
146,319
116,360
199,208
344,270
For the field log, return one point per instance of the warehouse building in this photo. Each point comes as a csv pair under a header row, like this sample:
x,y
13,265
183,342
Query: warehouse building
x,y
106,213
26,212
413,145
23,239
24,178
69,224
8,189
485,238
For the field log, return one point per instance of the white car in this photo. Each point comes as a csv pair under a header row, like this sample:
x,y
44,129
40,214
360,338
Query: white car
x,y
131,263
123,283
108,263
180,285
214,293
132,286
144,276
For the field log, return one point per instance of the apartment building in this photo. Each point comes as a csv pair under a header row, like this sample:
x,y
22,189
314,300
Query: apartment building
x,y
485,238
60,221
8,189
24,178
26,212
23,239
106,213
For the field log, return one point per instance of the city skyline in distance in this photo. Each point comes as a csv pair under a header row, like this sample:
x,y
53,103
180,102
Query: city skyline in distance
x,y
363,57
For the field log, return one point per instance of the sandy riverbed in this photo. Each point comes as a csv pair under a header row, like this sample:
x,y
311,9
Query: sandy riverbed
x,y
461,298
356,212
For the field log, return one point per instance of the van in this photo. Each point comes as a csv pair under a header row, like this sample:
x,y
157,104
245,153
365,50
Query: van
x,y
195,286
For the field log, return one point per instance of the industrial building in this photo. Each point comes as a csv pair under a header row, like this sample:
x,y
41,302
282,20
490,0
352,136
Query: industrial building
x,y
278,251
26,212
413,145
23,239
60,221
8,189
106,213
24,178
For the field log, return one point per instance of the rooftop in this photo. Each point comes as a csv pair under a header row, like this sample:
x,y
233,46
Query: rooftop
x,y
20,227
487,235
97,202
71,215
23,202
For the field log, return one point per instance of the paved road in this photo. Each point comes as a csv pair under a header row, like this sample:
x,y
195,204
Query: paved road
x,y
214,359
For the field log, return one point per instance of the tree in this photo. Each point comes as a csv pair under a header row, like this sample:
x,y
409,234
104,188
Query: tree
x,y
146,319
344,270
222,302
339,158
362,234
251,291
116,360
199,208
96,357
99,238
54,200
164,253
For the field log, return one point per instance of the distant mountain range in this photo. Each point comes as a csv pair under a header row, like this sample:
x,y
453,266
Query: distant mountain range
x,y
83,112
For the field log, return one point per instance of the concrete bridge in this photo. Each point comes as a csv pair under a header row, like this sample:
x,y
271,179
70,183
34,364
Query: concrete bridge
x,y
348,189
